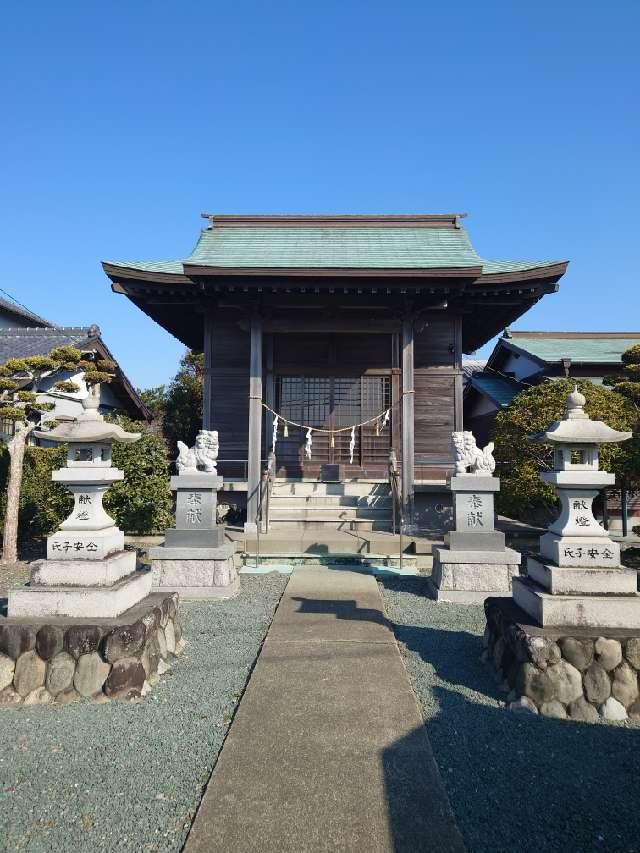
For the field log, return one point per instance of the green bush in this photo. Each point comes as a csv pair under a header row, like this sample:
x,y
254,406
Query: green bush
x,y
141,503
43,504
522,495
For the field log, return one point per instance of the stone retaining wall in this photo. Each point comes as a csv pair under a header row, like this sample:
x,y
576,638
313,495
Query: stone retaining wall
x,y
63,660
576,673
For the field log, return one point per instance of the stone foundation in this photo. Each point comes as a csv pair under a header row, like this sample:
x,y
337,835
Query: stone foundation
x,y
468,577
196,572
580,673
62,660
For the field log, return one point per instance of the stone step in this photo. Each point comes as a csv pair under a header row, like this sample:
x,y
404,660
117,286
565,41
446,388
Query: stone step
x,y
367,501
326,541
566,611
357,488
329,514
377,564
327,526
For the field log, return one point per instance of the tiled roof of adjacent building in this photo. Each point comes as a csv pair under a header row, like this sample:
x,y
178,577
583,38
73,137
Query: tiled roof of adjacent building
x,y
500,389
580,347
333,242
20,343
471,366
10,307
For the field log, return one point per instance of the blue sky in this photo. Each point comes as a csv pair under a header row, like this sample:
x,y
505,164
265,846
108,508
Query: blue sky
x,y
122,121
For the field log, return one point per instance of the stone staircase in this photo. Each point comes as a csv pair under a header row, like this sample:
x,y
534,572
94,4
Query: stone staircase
x,y
343,523
354,506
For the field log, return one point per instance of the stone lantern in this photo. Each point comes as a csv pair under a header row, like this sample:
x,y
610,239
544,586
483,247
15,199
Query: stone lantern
x,y
577,579
87,572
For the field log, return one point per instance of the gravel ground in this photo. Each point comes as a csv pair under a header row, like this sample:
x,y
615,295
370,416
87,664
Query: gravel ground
x,y
127,776
516,782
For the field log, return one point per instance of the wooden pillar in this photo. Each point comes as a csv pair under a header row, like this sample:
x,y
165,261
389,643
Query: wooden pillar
x,y
458,409
269,391
396,396
407,419
207,380
255,423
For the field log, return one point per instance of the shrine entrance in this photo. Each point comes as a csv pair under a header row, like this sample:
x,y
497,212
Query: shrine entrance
x,y
332,403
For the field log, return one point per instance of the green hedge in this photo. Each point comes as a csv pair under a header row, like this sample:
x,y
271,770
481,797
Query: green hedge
x,y
141,503
522,495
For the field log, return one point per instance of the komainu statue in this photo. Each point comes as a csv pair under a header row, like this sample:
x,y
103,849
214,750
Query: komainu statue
x,y
469,456
202,456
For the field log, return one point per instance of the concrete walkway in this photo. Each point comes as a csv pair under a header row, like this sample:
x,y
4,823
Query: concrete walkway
x,y
327,750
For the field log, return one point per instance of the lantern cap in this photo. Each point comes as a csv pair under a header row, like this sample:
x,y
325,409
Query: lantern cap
x,y
577,427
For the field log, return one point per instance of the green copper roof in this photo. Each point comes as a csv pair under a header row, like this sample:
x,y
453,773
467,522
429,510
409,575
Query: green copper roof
x,y
580,349
498,388
318,247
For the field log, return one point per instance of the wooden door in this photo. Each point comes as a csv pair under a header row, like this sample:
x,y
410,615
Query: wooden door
x,y
332,403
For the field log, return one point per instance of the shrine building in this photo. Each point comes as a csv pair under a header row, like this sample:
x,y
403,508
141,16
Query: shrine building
x,y
331,323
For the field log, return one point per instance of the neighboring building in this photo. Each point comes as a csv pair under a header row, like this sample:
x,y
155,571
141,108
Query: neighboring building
x,y
520,359
36,336
330,320
15,316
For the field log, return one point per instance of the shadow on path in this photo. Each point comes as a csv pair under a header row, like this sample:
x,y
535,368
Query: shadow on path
x,y
515,781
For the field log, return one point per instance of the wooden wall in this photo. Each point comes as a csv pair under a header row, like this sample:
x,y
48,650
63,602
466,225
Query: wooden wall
x,y
436,381
438,390
227,351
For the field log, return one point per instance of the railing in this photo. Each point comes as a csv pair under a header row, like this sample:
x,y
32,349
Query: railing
x,y
262,515
396,501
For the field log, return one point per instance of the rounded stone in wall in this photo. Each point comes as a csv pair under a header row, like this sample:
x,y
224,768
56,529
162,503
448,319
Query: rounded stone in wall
x,y
170,637
60,673
16,639
579,653
608,652
82,640
613,710
150,658
8,696
49,641
534,683
126,679
566,681
161,642
91,673
543,651
553,709
498,652
39,696
582,711
173,605
597,686
29,673
633,711
67,696
624,687
125,641
7,668
632,652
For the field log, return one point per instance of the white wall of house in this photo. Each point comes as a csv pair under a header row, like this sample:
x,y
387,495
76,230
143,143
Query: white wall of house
x,y
520,365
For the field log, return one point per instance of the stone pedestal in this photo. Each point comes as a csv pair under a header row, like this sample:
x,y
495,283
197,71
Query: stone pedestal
x,y
195,559
577,579
577,672
87,572
474,562
48,660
